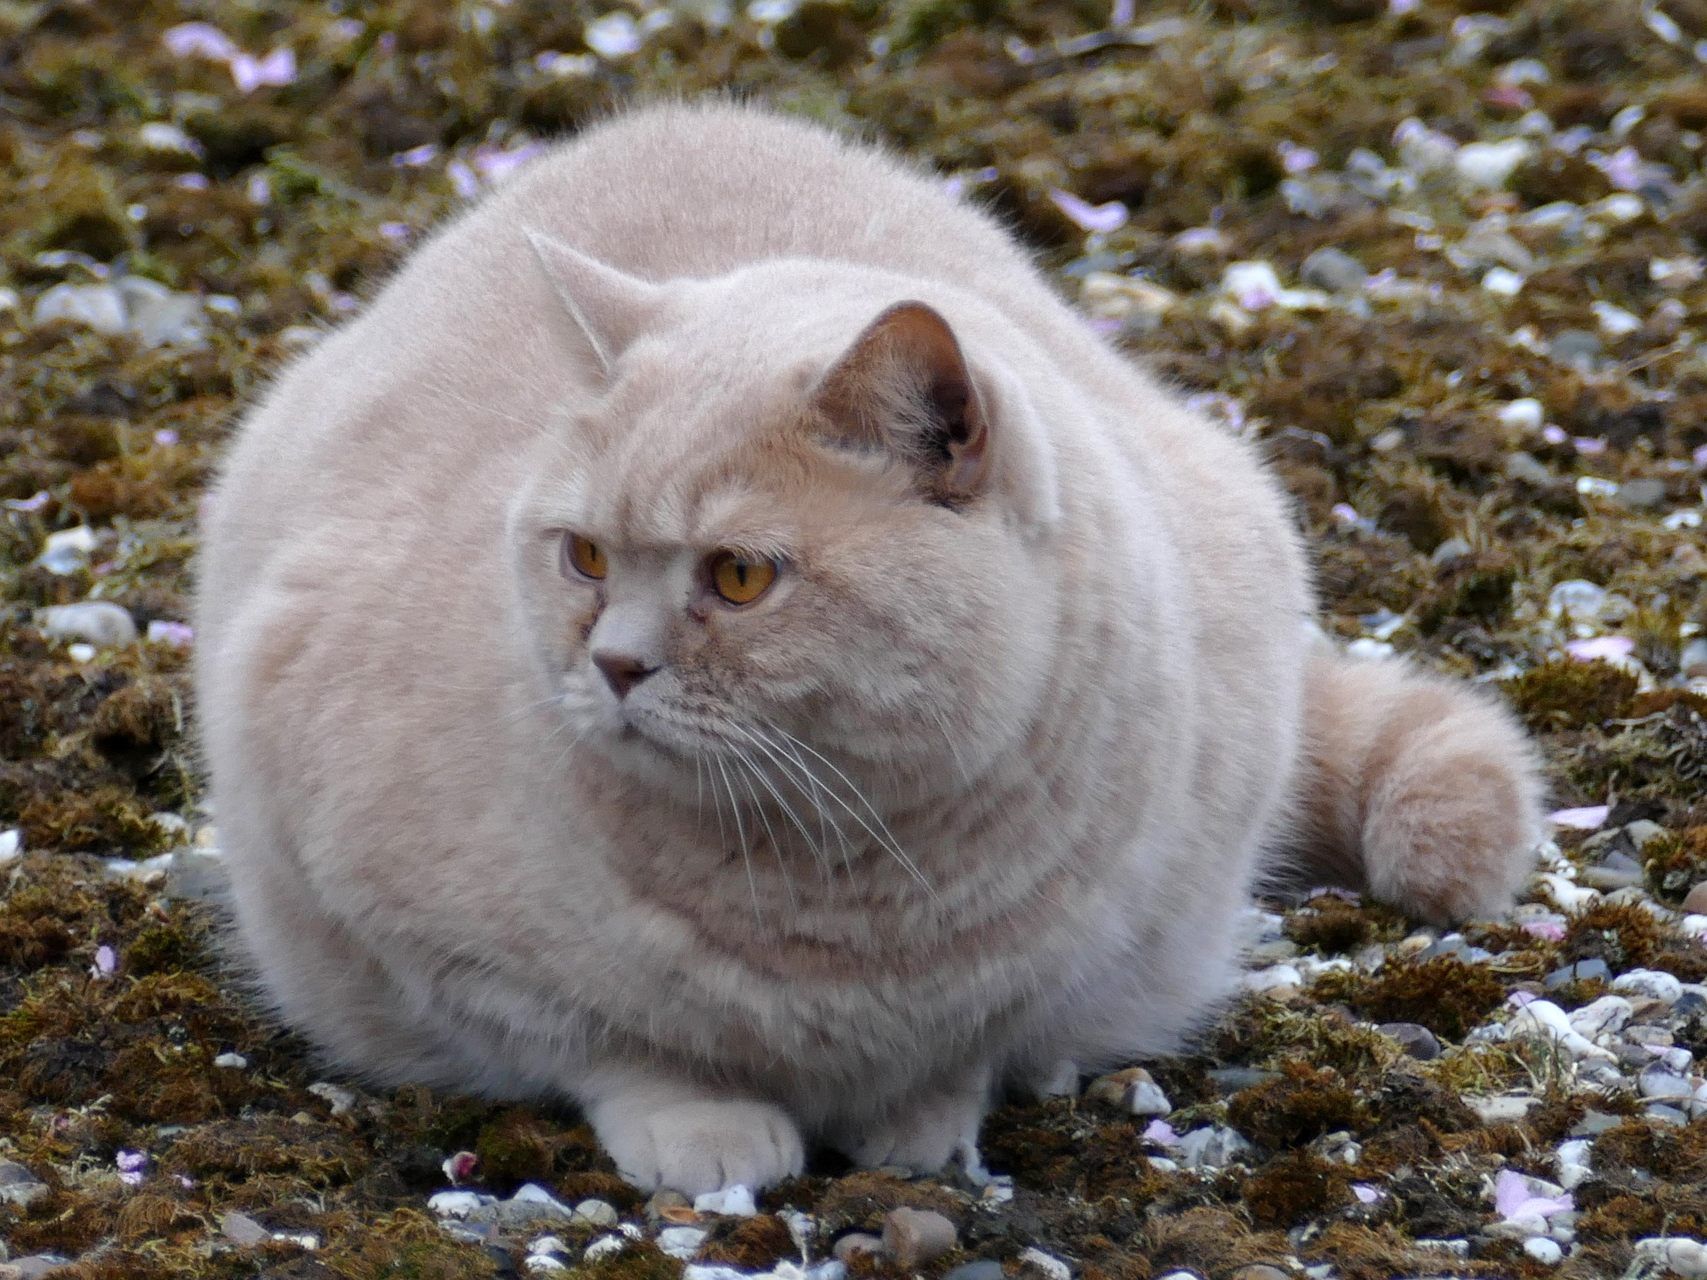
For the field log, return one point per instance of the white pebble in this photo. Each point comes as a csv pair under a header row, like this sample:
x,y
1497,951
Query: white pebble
x,y
1604,1016
158,135
457,1204
547,1244
95,306
100,622
1614,321
231,1061
1503,282
80,652
1050,1266
1274,978
1653,983
732,1202
605,1247
67,551
1548,1019
616,35
597,1212
1543,1250
681,1242
540,1263
1487,166
1522,415
1683,1255
1503,1108
11,845
1660,1082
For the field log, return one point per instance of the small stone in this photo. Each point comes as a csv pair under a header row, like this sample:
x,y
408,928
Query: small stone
x,y
1576,347
1593,970
1695,901
158,316
603,1247
241,1229
1133,1090
1543,1250
1500,1110
231,1061
666,1201
1643,494
597,1212
1230,1080
95,306
1693,660
1487,166
457,1204
1607,1014
67,550
732,1202
1277,979
1653,983
1211,1147
100,622
1260,1271
1525,414
38,1264
854,1243
1683,1255
1414,1038
917,1237
1334,270
983,1269
19,1186
1046,1265
1664,1083
681,1242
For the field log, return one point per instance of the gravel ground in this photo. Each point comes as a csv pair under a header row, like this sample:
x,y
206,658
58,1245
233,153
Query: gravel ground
x,y
1445,258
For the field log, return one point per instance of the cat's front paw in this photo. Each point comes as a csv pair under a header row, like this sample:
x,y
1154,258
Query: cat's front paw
x,y
923,1139
699,1145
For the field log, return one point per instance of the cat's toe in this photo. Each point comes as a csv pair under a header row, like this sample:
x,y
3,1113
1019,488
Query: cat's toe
x,y
923,1140
700,1146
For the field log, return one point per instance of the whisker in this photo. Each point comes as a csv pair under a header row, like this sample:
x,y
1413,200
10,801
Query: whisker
x,y
743,763
818,852
746,855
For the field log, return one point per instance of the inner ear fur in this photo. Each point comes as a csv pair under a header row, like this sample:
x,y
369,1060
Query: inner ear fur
x,y
904,386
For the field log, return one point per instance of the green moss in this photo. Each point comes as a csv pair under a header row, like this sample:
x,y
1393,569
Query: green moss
x,y
1676,862
1565,694
1304,1103
1444,994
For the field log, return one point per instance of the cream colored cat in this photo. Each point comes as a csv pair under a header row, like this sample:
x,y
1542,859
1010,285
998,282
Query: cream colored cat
x,y
720,640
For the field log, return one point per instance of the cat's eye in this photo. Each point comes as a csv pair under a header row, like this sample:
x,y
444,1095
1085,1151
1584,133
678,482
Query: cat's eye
x,y
584,556
741,579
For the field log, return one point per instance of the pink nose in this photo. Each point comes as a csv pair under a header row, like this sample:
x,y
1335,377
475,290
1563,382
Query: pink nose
x,y
622,671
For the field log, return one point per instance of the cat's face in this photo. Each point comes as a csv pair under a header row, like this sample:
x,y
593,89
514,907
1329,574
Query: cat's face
x,y
746,570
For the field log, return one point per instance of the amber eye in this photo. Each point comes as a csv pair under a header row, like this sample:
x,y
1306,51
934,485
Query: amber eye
x,y
585,556
741,580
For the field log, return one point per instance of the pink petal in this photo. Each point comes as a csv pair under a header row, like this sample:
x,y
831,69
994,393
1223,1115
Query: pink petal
x,y
278,67
106,961
1601,648
1589,445
131,1161
1554,434
462,179
165,437
1161,1133
1090,217
1699,457
199,39
1366,1193
245,73
1588,818
1551,930
415,157
1511,1192
180,635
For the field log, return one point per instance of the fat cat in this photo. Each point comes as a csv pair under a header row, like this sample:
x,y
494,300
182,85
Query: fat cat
x,y
719,640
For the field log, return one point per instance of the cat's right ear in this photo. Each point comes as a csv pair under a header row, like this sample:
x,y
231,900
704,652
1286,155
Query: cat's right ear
x,y
608,306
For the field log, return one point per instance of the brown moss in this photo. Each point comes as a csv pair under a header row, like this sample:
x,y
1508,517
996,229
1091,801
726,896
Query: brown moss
x,y
859,1201
312,1154
1676,862
1564,694
1293,1189
516,1146
107,819
1330,925
1304,1103
752,1244
1628,937
1444,994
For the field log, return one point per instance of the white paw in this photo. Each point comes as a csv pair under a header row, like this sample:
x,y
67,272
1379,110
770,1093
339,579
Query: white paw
x,y
925,1138
698,1146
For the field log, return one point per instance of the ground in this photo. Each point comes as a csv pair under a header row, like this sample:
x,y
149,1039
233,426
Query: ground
x,y
1489,399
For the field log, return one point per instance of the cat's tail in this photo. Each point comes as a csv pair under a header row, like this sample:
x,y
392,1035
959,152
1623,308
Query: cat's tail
x,y
1416,789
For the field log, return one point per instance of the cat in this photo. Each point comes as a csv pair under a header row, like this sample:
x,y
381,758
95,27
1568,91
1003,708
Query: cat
x,y
719,640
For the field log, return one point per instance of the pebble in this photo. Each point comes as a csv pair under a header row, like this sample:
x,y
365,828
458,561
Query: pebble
x,y
1683,1255
1592,970
1488,166
983,1269
67,550
1260,1271
11,845
19,1186
666,1201
1693,660
37,1265
1549,1019
1576,347
241,1229
1276,979
857,1242
100,622
1695,901
160,317
597,1212
1606,1015
1653,983
1237,1079
1414,1038
917,1237
1133,1090
1047,1265
231,1061
1334,270
603,1247
1505,1107
1664,1083
681,1242
457,1204
1211,1147
94,306
1543,1250
732,1202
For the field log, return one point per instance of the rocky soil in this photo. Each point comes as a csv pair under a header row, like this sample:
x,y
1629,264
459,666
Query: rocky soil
x,y
1444,257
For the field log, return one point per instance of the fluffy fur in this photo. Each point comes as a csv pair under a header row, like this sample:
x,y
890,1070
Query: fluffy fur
x,y
983,782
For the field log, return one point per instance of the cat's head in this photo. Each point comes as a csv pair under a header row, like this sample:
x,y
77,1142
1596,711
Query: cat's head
x,y
792,524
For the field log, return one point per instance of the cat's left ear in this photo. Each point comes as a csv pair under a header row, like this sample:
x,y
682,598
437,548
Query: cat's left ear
x,y
904,385
608,306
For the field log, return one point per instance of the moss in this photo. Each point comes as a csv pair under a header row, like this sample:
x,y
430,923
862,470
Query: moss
x,y
1628,937
1293,1189
1676,862
106,820
751,1244
1444,994
1304,1103
1571,695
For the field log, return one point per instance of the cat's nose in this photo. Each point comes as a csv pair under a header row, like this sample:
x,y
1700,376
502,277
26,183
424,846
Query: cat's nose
x,y
622,671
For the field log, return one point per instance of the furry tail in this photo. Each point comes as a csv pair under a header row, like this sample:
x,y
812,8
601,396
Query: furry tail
x,y
1414,788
